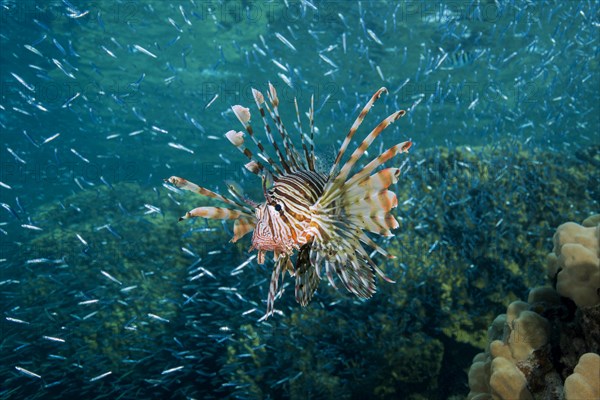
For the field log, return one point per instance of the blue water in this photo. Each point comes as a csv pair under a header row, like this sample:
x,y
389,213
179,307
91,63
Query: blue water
x,y
102,100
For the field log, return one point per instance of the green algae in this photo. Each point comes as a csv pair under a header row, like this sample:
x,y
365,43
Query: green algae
x,y
124,243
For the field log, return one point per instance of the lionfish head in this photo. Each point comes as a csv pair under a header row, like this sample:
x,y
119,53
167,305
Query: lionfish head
x,y
271,232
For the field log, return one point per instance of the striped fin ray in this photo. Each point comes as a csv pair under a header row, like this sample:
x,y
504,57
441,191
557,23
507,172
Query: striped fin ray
x,y
369,242
358,153
307,277
243,115
368,259
367,202
242,226
376,182
382,158
338,245
243,215
338,231
363,202
260,100
334,186
283,263
346,258
358,277
290,150
192,187
380,223
237,192
354,128
373,204
214,213
311,122
353,204
244,223
237,139
310,162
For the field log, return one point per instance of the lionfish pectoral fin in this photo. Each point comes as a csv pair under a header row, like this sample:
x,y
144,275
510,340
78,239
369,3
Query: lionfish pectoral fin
x,y
289,267
241,227
260,257
374,266
307,279
215,213
239,209
274,285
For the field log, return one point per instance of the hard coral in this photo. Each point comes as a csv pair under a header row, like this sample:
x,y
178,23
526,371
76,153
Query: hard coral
x,y
576,261
517,342
536,345
584,382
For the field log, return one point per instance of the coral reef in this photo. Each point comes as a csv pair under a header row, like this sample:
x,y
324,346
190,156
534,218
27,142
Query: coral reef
x,y
547,347
575,262
584,382
461,253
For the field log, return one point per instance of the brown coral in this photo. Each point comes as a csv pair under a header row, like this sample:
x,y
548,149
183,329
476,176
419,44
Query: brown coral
x,y
536,345
576,261
584,383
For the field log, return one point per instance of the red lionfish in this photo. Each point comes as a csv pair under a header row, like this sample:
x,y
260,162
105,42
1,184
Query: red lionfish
x,y
321,216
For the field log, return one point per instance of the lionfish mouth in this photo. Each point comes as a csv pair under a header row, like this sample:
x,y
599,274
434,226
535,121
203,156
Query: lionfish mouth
x,y
262,249
268,246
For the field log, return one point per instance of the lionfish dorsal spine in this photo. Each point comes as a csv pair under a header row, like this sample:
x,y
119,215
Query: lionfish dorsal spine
x,y
290,150
243,115
237,139
260,100
380,160
311,121
310,163
289,158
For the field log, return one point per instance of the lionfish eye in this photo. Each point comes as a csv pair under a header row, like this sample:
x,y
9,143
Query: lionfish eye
x,y
277,207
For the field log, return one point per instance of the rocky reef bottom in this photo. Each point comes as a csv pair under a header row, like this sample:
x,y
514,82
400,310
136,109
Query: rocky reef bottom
x,y
114,298
547,347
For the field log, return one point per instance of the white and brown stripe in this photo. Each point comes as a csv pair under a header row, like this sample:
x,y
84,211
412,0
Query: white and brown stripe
x,y
322,218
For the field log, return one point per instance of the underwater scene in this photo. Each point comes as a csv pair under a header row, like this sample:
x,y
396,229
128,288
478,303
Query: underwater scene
x,y
392,199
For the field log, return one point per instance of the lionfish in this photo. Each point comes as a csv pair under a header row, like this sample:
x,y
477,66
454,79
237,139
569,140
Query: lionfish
x,y
317,218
